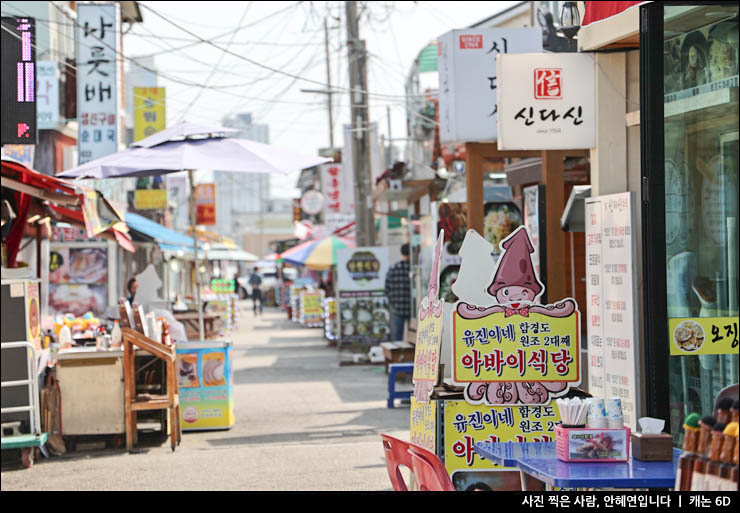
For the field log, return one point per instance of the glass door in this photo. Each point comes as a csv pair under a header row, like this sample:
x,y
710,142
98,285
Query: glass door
x,y
694,143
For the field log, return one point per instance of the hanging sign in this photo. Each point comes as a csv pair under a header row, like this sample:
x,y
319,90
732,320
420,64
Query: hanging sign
x,y
47,103
205,204
546,101
468,79
510,350
19,80
97,80
149,111
429,332
337,188
312,202
150,199
610,289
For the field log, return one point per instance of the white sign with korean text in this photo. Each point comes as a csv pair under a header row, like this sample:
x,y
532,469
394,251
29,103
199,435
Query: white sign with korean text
x,y
611,298
337,189
546,101
47,94
468,79
97,91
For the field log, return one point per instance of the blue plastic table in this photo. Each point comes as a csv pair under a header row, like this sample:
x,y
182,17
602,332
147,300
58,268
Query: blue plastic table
x,y
539,461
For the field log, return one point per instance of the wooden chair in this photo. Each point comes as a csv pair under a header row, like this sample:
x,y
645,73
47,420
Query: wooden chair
x,y
396,455
133,402
429,471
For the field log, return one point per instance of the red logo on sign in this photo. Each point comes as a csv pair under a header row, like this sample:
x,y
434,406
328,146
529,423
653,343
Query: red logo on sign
x,y
471,42
548,84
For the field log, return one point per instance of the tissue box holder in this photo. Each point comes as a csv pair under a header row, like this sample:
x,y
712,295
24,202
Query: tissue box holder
x,y
658,447
569,440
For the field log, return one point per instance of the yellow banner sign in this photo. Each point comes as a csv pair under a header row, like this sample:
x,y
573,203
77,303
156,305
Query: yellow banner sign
x,y
711,335
426,354
424,424
465,425
149,111
150,199
311,309
505,347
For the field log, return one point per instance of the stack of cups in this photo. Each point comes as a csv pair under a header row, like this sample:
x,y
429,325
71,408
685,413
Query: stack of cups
x,y
614,413
597,418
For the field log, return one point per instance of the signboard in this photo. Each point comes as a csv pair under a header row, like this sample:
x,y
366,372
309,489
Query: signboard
x,y
312,310
78,278
429,332
508,349
703,335
423,424
19,80
546,101
468,79
206,387
23,153
97,80
205,203
149,111
610,291
338,190
466,424
312,202
150,199
534,220
363,306
47,103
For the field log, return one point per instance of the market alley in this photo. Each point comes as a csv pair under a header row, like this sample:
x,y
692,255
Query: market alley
x,y
303,422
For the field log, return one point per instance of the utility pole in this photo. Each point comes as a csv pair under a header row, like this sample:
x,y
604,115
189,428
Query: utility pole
x,y
328,85
365,221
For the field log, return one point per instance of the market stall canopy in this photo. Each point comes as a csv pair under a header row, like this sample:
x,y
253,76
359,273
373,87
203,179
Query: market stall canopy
x,y
574,215
165,238
224,252
183,131
317,254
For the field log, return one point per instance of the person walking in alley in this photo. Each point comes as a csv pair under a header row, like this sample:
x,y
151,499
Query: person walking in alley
x,y
398,291
255,281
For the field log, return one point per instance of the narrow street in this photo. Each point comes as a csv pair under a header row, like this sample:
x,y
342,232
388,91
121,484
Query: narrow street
x,y
303,423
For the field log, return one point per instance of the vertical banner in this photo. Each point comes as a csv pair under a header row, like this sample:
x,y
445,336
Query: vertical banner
x,y
149,111
205,204
47,103
423,424
610,288
18,53
97,80
534,220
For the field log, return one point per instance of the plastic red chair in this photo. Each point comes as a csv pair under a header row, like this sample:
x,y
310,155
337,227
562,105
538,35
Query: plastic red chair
x,y
429,471
396,454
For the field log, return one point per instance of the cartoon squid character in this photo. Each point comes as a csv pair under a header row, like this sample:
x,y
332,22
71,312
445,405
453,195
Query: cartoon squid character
x,y
515,287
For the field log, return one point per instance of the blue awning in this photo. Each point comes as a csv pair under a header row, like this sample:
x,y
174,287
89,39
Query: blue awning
x,y
166,239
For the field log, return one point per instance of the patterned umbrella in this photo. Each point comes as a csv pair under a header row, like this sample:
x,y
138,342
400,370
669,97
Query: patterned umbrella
x,y
317,254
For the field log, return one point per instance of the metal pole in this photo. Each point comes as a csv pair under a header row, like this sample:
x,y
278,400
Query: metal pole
x,y
328,85
195,255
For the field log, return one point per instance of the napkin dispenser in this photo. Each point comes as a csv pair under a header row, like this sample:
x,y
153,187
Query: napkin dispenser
x,y
652,447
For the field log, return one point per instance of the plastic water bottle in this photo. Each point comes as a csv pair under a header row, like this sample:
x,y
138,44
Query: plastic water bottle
x,y
116,336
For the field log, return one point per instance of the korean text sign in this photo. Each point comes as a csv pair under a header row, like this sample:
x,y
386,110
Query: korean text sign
x,y
423,424
97,75
468,79
465,425
19,80
205,203
546,101
610,291
337,188
149,111
47,112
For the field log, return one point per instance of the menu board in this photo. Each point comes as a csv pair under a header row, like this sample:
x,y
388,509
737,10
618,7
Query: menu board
x,y
610,292
312,311
78,280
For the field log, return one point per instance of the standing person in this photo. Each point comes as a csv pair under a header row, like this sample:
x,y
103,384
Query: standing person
x,y
398,291
131,288
255,280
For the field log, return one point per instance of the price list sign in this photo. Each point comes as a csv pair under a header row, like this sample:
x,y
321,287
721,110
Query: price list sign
x,y
610,292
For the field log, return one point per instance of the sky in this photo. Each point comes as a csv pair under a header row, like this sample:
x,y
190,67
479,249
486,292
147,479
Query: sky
x,y
278,50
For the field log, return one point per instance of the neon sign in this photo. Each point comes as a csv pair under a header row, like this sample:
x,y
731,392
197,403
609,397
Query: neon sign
x,y
19,95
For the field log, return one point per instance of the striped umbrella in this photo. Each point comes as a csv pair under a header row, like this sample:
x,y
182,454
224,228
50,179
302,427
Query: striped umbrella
x,y
317,254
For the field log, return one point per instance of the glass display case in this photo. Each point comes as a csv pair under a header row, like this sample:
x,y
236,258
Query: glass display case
x,y
692,308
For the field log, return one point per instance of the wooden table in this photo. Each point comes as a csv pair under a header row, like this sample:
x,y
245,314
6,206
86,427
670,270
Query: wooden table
x,y
190,320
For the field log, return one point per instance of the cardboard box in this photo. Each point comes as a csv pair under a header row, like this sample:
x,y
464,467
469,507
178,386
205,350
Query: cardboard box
x,y
652,447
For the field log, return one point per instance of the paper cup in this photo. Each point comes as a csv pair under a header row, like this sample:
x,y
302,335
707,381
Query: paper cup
x,y
600,422
596,408
614,407
616,422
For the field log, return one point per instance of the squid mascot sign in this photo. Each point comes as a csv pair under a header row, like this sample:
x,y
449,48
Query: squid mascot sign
x,y
507,349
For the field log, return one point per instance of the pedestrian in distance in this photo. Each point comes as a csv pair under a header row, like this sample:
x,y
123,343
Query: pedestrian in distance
x,y
255,281
131,287
398,292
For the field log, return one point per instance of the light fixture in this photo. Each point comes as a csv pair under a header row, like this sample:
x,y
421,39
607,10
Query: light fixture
x,y
570,19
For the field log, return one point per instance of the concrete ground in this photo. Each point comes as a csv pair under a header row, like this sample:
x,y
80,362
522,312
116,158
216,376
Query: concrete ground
x,y
303,423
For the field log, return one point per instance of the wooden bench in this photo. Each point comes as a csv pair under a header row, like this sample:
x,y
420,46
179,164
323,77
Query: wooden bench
x,y
401,351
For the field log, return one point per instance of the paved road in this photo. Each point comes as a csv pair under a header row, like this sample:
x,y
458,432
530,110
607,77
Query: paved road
x,y
303,423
